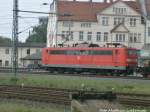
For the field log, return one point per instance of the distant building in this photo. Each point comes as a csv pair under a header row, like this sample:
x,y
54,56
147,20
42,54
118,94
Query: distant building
x,y
144,58
24,51
148,20
96,22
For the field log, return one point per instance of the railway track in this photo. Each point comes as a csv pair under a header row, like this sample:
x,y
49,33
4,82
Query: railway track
x,y
64,96
134,99
44,72
58,96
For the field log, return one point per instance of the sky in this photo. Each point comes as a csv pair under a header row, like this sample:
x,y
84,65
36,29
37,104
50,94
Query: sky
x,y
6,16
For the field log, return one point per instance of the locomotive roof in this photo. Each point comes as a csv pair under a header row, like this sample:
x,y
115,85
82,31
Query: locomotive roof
x,y
88,48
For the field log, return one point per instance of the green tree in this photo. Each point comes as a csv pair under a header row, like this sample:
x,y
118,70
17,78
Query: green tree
x,y
4,40
39,32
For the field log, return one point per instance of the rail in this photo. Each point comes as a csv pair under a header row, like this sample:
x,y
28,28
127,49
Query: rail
x,y
36,94
65,96
44,72
134,99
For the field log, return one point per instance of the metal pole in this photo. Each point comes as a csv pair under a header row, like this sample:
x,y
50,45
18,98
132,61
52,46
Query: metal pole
x,y
56,5
15,37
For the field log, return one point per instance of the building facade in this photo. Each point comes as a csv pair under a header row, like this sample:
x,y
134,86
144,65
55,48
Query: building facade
x,y
147,4
97,22
24,50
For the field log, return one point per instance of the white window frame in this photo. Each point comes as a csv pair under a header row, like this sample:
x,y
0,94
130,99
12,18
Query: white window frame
x,y
7,51
133,22
105,36
149,31
81,36
98,36
105,21
6,63
89,36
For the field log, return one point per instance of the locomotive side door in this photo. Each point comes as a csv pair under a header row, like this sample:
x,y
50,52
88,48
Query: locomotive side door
x,y
115,57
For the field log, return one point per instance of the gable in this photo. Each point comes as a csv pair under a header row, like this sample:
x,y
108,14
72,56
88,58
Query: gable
x,y
120,29
122,8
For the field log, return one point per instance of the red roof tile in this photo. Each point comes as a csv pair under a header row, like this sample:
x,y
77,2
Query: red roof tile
x,y
85,11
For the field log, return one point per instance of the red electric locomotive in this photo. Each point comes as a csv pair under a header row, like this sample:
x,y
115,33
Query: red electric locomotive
x,y
90,59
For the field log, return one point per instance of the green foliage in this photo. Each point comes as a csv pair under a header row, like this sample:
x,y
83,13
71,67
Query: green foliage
x,y
39,32
4,40
14,80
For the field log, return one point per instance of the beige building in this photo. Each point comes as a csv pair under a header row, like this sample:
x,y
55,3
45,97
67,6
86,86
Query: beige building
x,y
24,51
96,22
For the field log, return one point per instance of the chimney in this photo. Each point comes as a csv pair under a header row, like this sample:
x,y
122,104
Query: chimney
x,y
105,1
111,1
90,0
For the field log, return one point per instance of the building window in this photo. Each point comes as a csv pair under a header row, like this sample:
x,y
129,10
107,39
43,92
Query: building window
x,y
142,20
64,35
149,31
118,20
7,51
0,62
105,21
6,63
120,37
71,36
135,37
119,10
131,38
133,22
89,36
117,37
67,24
28,51
105,37
67,35
98,36
139,37
38,50
86,25
81,36
124,37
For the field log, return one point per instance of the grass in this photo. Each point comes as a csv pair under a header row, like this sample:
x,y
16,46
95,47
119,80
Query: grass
x,y
26,106
71,82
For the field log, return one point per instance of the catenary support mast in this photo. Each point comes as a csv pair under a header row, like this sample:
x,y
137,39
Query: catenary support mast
x,y
15,37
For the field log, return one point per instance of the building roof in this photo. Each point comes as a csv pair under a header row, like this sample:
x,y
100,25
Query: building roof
x,y
32,45
36,56
87,11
